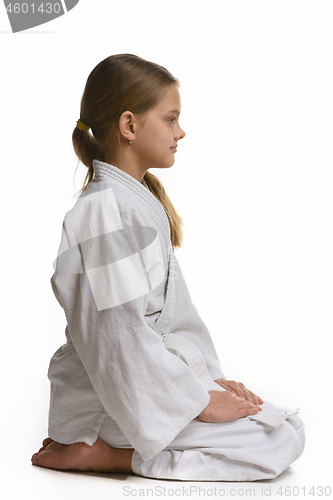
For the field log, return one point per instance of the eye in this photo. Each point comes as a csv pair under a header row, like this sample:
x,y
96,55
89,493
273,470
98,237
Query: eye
x,y
172,119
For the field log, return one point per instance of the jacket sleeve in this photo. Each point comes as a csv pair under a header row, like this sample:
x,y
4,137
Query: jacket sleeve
x,y
103,282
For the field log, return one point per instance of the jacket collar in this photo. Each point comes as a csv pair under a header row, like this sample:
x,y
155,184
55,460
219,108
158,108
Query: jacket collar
x,y
105,171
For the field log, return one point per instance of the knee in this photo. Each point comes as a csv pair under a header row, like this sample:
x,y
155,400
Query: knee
x,y
297,423
296,436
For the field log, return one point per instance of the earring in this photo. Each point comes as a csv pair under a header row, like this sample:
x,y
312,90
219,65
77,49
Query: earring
x,y
131,141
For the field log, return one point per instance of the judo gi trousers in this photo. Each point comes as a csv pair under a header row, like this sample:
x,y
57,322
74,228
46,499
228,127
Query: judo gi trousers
x,y
244,450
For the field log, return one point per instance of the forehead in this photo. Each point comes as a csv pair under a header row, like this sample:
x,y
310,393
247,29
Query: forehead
x,y
170,100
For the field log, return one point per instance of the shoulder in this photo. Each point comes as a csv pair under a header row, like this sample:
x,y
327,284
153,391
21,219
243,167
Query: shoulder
x,y
96,212
103,207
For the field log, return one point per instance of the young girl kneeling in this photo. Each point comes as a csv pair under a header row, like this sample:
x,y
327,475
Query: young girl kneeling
x,y
138,385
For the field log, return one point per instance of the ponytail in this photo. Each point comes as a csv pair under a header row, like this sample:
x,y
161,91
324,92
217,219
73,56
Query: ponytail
x,y
156,188
85,149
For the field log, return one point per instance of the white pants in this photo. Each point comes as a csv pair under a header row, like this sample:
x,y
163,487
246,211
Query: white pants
x,y
244,450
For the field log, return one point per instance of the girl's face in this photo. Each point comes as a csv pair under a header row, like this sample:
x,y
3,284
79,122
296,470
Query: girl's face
x,y
156,141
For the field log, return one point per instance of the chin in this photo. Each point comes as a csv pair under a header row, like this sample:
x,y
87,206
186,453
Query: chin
x,y
173,161
166,164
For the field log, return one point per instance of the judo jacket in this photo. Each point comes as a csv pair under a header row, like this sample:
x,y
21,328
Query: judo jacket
x,y
135,341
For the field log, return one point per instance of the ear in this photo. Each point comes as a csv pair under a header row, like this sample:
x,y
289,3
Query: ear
x,y
127,125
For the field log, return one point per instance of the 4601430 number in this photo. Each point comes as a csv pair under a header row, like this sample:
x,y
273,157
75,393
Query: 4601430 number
x,y
25,8
295,491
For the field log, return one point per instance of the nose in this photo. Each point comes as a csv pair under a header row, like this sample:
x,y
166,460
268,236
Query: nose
x,y
180,133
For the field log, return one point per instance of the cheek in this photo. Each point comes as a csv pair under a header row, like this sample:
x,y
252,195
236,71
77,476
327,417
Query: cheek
x,y
164,138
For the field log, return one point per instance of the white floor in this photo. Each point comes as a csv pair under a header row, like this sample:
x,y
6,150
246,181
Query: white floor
x,y
308,475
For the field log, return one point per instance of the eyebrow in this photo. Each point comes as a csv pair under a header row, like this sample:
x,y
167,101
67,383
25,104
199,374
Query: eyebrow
x,y
174,111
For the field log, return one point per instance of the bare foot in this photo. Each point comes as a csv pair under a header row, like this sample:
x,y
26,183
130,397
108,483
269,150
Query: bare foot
x,y
79,456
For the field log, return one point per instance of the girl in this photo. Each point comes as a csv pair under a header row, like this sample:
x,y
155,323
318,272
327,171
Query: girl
x,y
138,386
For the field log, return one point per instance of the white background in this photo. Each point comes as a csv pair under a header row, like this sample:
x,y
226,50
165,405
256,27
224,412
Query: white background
x,y
252,181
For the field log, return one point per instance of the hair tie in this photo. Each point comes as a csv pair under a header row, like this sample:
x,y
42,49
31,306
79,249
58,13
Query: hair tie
x,y
82,126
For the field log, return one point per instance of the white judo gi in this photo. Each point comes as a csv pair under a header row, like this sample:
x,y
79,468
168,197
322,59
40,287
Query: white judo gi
x,y
139,361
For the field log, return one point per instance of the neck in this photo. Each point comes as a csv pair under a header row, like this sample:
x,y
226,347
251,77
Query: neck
x,y
127,164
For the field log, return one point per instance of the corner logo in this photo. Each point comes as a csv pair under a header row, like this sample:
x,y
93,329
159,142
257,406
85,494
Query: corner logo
x,y
25,15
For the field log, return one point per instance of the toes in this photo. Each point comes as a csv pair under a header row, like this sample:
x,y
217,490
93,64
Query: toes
x,y
52,457
47,441
63,457
41,459
35,459
41,449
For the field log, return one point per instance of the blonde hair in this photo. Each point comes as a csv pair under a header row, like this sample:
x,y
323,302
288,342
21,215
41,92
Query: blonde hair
x,y
119,83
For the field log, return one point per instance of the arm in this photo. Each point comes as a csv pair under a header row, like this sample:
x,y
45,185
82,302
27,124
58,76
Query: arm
x,y
149,392
187,323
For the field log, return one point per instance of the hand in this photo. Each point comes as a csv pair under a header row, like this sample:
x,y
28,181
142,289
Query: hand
x,y
240,390
225,406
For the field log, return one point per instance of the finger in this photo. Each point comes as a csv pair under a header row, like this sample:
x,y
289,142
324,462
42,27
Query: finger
x,y
231,390
250,396
243,403
257,399
234,388
247,412
243,392
227,387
